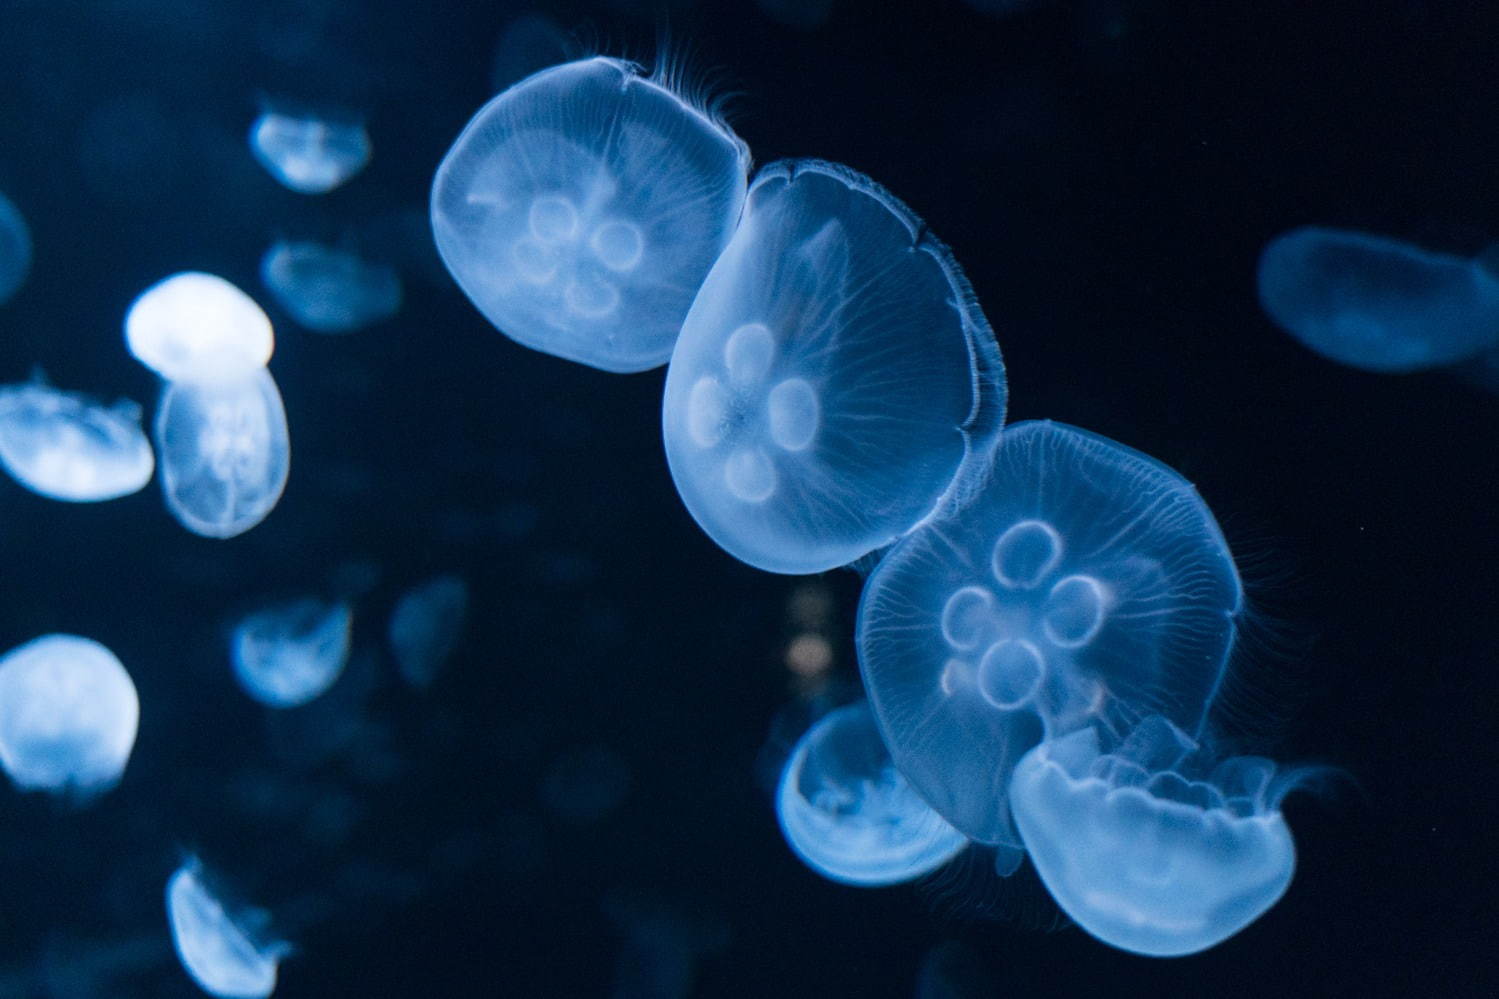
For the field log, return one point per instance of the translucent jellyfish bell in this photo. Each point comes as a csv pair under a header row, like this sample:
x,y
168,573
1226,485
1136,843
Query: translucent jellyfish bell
x,y
219,949
1377,303
15,249
581,209
1082,580
68,715
68,446
849,814
309,154
1140,854
426,626
195,327
328,290
224,452
287,654
833,377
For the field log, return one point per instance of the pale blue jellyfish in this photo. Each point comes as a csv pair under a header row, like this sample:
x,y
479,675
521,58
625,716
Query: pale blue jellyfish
x,y
1146,848
15,249
1377,303
195,327
581,209
224,952
1081,581
224,452
426,626
329,290
850,815
833,377
287,654
68,716
307,153
68,446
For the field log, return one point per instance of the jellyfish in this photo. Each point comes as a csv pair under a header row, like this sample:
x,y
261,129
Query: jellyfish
x,y
15,249
1145,846
834,375
328,290
68,716
195,327
289,653
581,209
1377,303
68,446
306,153
530,43
221,950
425,627
224,452
1082,580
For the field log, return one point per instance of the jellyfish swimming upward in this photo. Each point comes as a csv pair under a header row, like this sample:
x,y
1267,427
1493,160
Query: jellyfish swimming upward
x,y
67,446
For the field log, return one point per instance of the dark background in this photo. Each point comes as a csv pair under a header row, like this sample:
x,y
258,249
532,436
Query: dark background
x,y
1106,171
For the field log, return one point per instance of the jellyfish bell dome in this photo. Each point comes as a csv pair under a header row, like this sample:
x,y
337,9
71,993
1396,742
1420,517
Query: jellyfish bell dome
x,y
582,207
834,375
219,948
15,249
68,446
1080,580
195,327
289,653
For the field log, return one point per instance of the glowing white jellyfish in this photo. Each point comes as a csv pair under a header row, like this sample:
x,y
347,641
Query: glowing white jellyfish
x,y
68,446
220,949
309,154
328,290
426,625
198,327
287,654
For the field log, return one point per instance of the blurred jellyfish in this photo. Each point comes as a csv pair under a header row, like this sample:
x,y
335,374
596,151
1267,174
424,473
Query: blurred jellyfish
x,y
425,627
224,452
68,446
581,209
585,784
662,946
328,290
306,153
1147,848
530,43
287,654
68,716
849,814
1377,303
221,950
15,249
1083,581
834,376
952,970
195,327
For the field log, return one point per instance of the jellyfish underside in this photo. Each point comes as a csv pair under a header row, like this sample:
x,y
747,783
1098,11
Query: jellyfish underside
x,y
67,446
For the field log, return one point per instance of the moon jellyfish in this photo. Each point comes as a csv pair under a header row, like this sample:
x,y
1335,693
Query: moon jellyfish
x,y
425,627
1377,303
67,446
224,452
1142,848
220,949
1082,581
287,654
328,290
195,327
581,209
832,378
68,716
15,249
308,154
850,815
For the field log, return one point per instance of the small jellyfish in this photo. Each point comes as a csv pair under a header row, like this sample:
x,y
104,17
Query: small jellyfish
x,y
15,249
834,375
68,446
306,153
328,290
1144,852
1082,580
581,209
68,716
224,452
195,327
850,815
1377,303
221,950
287,654
426,626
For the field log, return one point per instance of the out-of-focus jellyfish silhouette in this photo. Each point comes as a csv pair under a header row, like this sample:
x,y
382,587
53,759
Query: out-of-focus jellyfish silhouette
x,y
1377,303
224,952
850,815
585,784
224,452
68,716
15,249
195,327
307,153
426,626
1083,581
833,377
1145,847
287,654
581,209
530,43
803,14
328,290
68,446
952,970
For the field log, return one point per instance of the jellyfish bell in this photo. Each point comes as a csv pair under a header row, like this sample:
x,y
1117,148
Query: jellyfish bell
x,y
426,626
68,446
287,654
329,290
307,152
580,210
15,249
223,951
196,327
